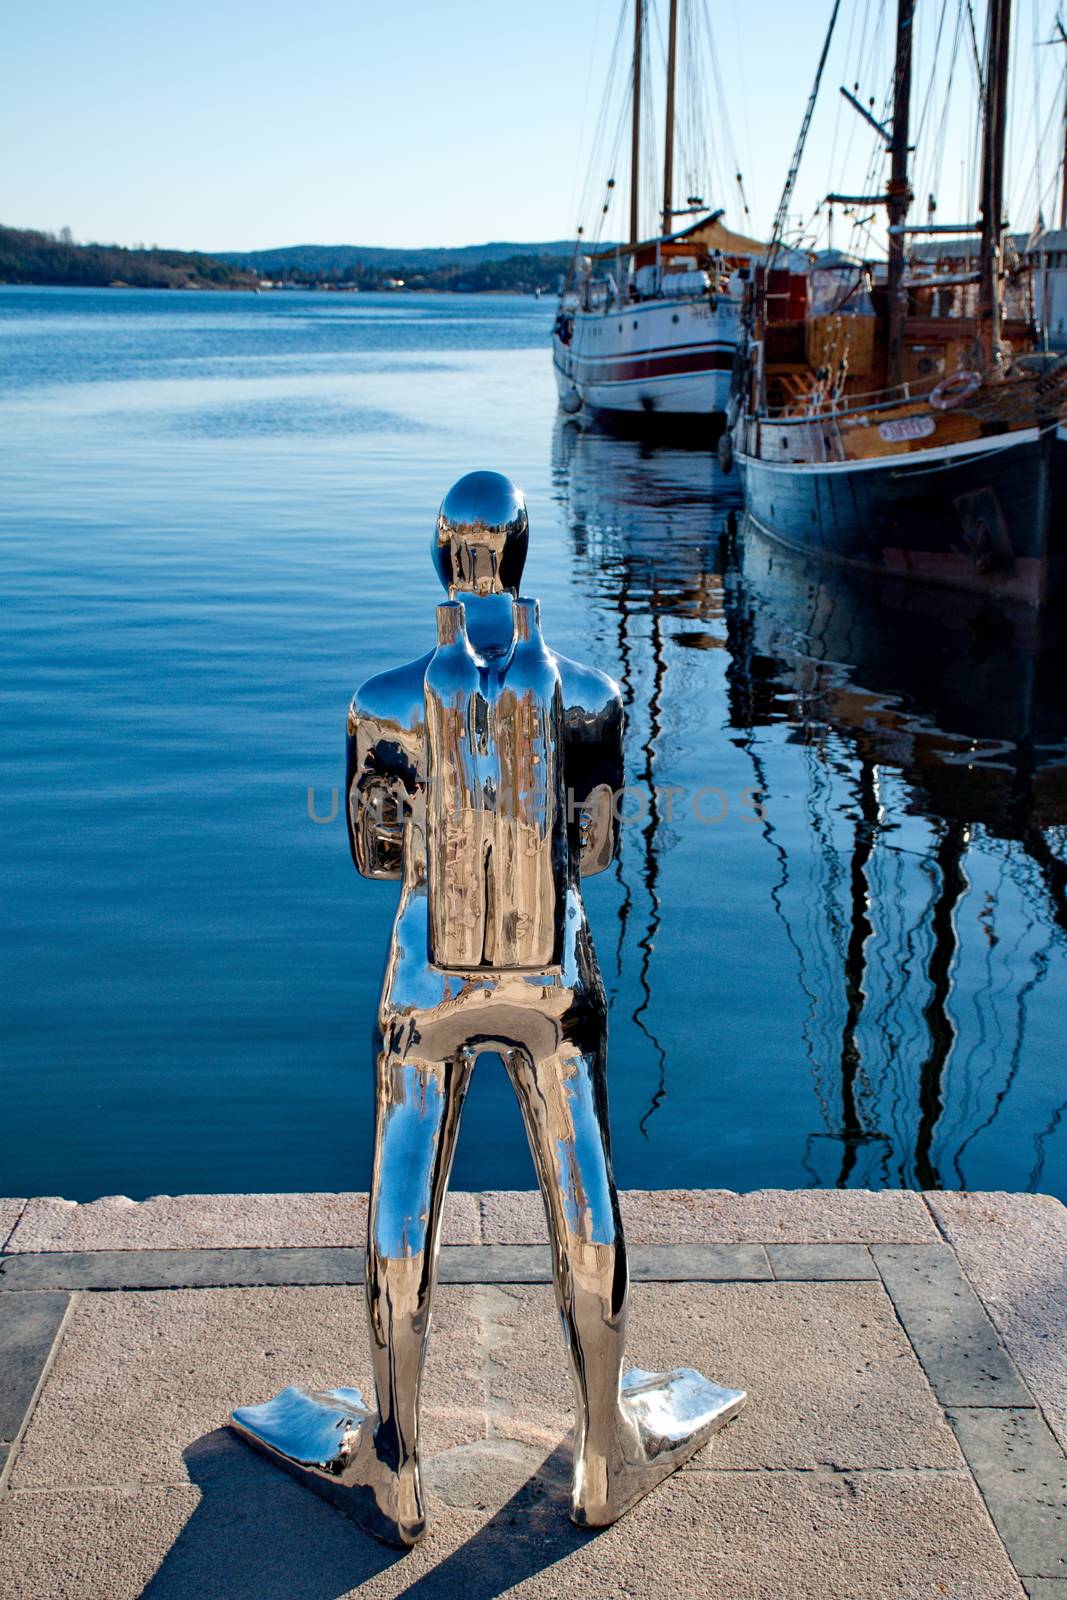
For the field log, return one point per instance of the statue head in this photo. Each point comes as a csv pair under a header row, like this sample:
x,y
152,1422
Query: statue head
x,y
480,539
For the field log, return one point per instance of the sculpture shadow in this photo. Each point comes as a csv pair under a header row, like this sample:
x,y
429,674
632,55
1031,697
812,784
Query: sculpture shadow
x,y
529,1533
258,1535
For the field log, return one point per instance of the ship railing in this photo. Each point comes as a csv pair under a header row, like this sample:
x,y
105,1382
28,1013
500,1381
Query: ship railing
x,y
827,406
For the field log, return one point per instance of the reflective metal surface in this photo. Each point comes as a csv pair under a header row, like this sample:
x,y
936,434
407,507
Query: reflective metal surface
x,y
481,535
496,808
483,775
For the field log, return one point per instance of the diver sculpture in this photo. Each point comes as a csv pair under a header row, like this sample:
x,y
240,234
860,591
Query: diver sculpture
x,y
484,776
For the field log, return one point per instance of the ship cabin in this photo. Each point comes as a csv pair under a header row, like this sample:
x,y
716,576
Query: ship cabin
x,y
824,354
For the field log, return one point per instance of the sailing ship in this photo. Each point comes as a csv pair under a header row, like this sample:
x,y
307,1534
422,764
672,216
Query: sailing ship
x,y
648,331
911,422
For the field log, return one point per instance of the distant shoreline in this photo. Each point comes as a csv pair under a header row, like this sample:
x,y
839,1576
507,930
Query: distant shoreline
x,y
44,260
287,289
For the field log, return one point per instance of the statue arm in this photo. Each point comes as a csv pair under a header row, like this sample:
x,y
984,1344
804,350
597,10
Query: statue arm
x,y
385,779
593,726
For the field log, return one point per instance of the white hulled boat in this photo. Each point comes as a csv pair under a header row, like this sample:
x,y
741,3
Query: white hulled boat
x,y
648,330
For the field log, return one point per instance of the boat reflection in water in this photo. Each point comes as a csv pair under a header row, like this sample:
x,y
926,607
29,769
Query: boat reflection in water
x,y
948,712
885,905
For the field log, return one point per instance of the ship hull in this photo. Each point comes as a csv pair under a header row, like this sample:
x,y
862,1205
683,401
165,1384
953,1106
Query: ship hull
x,y
989,517
657,361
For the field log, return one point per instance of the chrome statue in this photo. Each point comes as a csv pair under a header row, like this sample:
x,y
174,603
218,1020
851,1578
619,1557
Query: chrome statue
x,y
484,777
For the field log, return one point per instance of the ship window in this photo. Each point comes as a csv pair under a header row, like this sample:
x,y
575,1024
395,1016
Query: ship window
x,y
674,316
635,322
620,327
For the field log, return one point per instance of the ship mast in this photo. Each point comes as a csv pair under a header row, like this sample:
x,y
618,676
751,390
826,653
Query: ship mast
x,y
668,134
635,133
993,137
1062,31
898,194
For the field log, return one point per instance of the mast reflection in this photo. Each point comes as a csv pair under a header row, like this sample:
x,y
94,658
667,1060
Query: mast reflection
x,y
647,548
916,868
955,701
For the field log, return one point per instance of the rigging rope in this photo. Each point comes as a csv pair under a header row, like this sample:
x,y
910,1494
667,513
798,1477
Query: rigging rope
x,y
744,93
579,147
1037,114
723,190
976,54
593,167
938,161
798,154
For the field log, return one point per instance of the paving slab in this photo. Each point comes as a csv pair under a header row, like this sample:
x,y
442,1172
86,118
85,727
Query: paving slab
x,y
180,1269
831,1378
10,1211
463,1263
680,1216
1013,1248
960,1349
218,1221
28,1328
656,1263
140,1375
822,1263
244,1532
1023,1477
695,1216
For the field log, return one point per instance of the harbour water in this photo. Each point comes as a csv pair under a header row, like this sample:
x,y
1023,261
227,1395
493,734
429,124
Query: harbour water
x,y
834,942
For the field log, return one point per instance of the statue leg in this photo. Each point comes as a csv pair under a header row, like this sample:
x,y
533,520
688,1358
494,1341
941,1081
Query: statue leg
x,y
631,1429
367,1462
418,1111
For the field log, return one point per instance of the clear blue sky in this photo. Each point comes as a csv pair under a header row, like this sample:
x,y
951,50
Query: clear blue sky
x,y
218,125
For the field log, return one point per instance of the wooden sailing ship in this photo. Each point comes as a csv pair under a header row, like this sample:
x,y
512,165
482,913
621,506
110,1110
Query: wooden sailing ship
x,y
647,332
915,425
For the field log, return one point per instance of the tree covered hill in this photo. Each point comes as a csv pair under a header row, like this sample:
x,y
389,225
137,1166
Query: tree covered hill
x,y
27,256
31,257
518,268
332,260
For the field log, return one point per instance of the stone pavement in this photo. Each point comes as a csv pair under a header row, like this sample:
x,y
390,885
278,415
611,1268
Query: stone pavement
x,y
905,1358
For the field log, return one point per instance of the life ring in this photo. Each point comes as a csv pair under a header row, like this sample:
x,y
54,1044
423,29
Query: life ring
x,y
954,390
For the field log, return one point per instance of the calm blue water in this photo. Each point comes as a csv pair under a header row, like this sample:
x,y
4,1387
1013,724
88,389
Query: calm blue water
x,y
214,521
